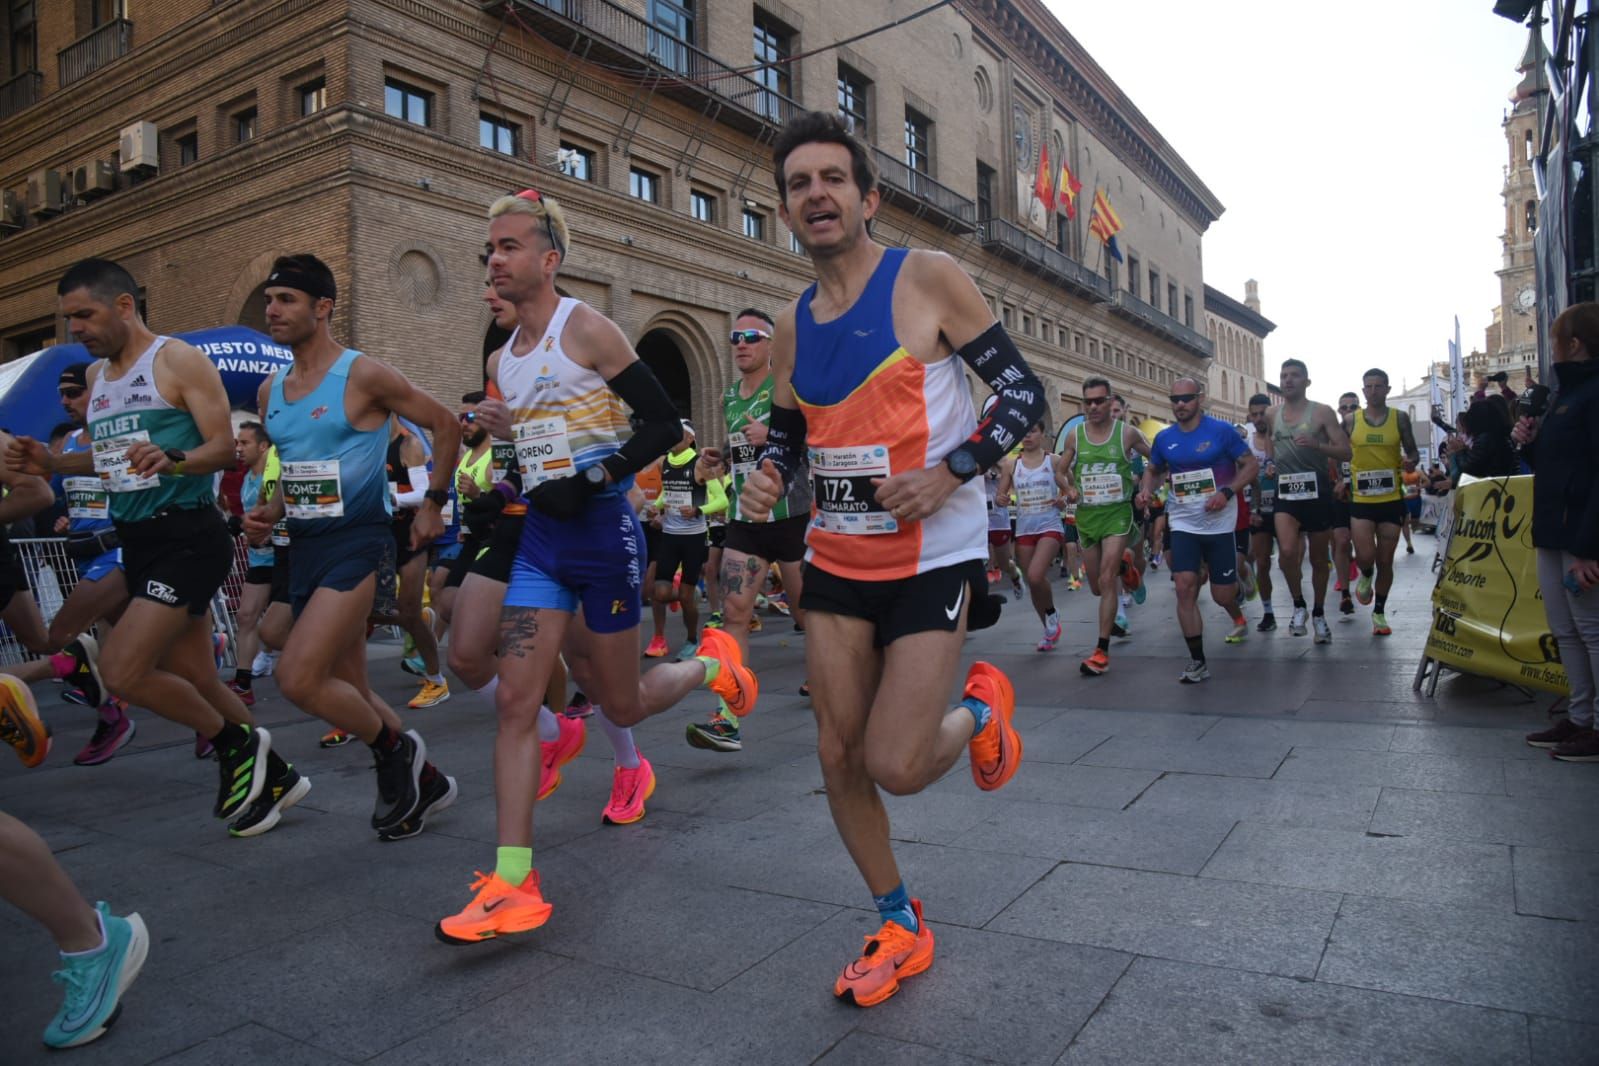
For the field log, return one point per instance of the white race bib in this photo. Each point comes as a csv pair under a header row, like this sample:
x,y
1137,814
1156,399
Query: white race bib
x,y
111,463
86,498
744,455
1376,482
311,490
1301,486
1101,489
1035,499
542,451
1193,484
280,535
846,499
673,500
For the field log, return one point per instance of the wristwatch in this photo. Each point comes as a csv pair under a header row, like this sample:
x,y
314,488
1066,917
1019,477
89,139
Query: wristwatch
x,y
177,455
1228,489
962,464
438,496
595,476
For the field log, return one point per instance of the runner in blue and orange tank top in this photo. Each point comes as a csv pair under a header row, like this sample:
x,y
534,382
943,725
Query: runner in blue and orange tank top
x,y
868,379
159,428
564,376
329,414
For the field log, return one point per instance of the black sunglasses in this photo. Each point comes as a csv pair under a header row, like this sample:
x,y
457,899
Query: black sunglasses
x,y
532,196
1345,408
72,392
1183,397
1095,401
748,336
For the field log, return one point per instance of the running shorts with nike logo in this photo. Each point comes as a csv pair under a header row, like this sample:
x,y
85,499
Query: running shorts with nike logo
x,y
934,601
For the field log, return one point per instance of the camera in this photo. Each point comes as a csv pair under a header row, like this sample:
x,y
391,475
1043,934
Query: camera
x,y
1533,401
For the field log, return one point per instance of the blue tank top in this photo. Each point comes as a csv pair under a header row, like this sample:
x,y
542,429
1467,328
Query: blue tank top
x,y
333,474
88,502
249,496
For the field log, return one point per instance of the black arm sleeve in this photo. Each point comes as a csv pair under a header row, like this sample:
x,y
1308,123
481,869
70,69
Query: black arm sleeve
x,y
785,442
994,357
661,428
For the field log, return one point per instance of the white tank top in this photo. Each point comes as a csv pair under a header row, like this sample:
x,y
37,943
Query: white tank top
x,y
1036,511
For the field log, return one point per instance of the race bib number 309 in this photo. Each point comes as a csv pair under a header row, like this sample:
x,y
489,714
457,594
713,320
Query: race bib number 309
x,y
846,499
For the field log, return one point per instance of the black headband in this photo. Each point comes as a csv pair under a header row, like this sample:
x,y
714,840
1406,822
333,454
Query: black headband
x,y
308,283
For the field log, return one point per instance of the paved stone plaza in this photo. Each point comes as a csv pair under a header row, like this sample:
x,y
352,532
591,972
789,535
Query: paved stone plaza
x,y
1297,861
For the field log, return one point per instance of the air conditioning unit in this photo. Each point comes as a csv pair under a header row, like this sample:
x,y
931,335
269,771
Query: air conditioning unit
x,y
93,180
10,211
137,148
46,193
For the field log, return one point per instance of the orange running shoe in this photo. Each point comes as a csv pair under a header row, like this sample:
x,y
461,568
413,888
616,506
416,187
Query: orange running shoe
x,y
1131,578
629,790
891,953
657,648
497,908
560,751
996,750
735,683
1097,663
19,722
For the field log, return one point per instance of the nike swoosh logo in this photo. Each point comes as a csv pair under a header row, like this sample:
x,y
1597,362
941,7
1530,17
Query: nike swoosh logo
x,y
954,611
82,1019
487,907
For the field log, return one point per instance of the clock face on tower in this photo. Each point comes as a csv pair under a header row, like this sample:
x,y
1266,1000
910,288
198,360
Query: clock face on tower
x,y
1526,299
1022,130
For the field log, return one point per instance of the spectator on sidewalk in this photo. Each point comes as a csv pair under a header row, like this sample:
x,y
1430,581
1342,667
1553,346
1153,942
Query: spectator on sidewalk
x,y
1563,449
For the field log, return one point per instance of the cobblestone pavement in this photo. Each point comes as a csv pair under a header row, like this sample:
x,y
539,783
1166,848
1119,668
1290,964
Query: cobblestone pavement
x,y
1297,861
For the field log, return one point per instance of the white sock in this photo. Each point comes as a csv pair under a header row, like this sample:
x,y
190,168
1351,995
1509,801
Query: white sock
x,y
621,739
488,688
1265,602
549,725
1122,600
437,679
100,921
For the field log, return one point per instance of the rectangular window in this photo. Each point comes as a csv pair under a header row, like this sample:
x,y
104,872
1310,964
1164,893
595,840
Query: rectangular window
x,y
1188,309
1132,274
104,11
1171,298
1027,324
918,142
1093,348
774,44
244,125
1008,318
496,134
188,149
575,162
313,96
27,340
754,225
407,103
1154,286
24,37
1077,343
642,185
672,33
985,192
1063,233
852,87
794,245
702,205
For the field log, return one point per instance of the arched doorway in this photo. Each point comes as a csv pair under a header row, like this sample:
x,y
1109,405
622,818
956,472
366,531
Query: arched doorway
x,y
661,353
253,313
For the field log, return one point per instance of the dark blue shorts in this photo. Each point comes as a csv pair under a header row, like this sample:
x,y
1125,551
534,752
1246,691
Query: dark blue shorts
x,y
1215,550
338,560
596,561
104,565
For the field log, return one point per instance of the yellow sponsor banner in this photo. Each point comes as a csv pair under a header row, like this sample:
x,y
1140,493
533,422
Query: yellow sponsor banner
x,y
1488,617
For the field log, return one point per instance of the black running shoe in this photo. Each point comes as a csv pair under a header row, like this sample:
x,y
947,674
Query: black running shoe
x,y
281,793
1346,605
718,734
1116,630
86,674
1267,623
244,772
399,777
436,796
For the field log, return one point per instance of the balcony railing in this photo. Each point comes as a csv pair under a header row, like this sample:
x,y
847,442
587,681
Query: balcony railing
x,y
89,53
1011,241
614,35
1140,313
918,193
20,92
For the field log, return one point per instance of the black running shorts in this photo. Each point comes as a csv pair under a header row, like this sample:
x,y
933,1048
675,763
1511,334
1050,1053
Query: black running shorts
x,y
685,551
493,560
178,559
1388,513
782,541
935,601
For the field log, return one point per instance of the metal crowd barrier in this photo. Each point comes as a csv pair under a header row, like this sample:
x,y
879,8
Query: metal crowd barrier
x,y
52,575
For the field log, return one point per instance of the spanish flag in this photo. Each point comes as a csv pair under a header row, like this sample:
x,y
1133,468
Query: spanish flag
x,y
1043,188
1068,190
1104,223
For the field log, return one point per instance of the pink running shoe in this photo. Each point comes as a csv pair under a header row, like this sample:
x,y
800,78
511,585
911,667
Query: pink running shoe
x,y
560,751
629,790
112,734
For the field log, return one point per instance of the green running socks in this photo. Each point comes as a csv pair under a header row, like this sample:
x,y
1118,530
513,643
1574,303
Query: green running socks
x,y
513,865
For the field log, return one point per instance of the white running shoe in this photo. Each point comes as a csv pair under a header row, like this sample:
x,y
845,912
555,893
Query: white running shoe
x,y
1323,630
1195,672
1296,625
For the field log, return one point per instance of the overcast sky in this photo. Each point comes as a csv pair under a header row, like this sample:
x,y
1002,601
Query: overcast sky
x,y
1358,151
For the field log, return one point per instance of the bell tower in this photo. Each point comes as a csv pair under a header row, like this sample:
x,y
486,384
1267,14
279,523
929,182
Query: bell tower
x,y
1516,346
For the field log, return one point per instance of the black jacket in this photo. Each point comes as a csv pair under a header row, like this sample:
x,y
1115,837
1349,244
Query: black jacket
x,y
1565,459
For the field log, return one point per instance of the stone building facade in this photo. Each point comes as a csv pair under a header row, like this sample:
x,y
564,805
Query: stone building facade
x,y
1238,371
376,132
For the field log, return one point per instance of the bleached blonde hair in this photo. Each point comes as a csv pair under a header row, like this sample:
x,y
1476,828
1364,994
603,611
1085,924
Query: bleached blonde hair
x,y
545,209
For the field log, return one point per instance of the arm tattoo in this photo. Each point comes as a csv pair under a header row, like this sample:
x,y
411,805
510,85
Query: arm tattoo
x,y
518,628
